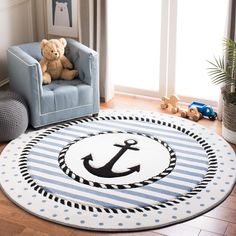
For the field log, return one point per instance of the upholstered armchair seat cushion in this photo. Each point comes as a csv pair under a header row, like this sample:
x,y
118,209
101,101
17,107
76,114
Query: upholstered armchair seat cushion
x,y
63,95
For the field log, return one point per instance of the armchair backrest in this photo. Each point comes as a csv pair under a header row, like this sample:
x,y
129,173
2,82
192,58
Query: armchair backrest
x,y
33,49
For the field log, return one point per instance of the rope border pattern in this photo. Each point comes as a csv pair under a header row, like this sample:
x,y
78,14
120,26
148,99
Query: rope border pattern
x,y
212,168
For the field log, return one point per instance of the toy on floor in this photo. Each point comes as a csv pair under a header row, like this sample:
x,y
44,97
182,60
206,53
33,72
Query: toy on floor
x,y
191,113
205,110
197,110
170,102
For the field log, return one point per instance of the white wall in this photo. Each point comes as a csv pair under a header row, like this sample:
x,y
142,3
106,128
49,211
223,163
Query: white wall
x,y
41,19
17,26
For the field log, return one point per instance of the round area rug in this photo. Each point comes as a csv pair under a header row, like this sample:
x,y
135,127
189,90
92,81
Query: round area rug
x,y
120,171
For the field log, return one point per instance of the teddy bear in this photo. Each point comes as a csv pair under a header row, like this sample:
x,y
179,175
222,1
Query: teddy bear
x,y
53,63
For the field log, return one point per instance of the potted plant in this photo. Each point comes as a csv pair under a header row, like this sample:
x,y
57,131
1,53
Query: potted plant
x,y
223,72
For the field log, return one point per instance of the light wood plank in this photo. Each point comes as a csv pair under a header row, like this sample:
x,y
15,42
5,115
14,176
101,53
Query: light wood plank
x,y
179,229
230,202
206,233
223,213
8,228
231,230
209,224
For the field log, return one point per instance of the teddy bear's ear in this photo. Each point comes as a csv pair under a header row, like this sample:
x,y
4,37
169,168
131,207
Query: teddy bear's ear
x,y
63,41
43,43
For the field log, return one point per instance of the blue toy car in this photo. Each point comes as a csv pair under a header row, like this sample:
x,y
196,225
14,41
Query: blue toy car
x,y
205,110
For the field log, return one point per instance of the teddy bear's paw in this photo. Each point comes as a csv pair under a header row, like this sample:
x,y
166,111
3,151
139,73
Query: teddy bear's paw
x,y
73,74
69,65
76,73
45,82
69,74
46,79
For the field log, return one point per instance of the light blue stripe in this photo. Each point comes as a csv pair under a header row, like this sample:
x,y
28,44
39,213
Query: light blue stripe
x,y
189,152
192,181
86,190
67,134
143,195
175,177
49,172
192,166
151,129
82,198
173,185
43,163
56,167
192,160
187,173
45,141
86,126
43,155
47,149
174,146
58,138
163,191
169,142
161,136
83,128
143,124
185,145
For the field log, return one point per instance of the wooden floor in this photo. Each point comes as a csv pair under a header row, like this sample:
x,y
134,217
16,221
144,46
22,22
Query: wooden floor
x,y
219,221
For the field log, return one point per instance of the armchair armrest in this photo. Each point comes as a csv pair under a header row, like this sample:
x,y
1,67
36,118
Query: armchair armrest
x,y
23,66
25,76
85,60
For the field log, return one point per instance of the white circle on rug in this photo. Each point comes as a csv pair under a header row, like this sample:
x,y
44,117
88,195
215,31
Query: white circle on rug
x,y
117,158
202,176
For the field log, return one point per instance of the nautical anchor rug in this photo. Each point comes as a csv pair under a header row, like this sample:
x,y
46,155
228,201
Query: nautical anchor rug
x,y
120,171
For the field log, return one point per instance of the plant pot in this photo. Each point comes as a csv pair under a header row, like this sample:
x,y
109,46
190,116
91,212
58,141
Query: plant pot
x,y
229,122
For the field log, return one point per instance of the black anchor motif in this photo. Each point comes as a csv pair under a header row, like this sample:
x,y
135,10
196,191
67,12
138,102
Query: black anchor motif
x,y
106,170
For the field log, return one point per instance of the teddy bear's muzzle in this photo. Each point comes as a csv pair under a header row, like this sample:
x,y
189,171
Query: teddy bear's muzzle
x,y
56,55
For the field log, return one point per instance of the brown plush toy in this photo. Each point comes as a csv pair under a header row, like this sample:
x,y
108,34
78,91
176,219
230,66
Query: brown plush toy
x,y
53,63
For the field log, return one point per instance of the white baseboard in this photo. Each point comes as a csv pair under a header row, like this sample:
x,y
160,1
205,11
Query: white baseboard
x,y
3,82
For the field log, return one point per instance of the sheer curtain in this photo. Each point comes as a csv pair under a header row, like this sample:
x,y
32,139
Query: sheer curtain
x,y
93,33
230,33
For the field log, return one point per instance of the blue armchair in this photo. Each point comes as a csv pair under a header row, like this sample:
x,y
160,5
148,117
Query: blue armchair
x,y
61,100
